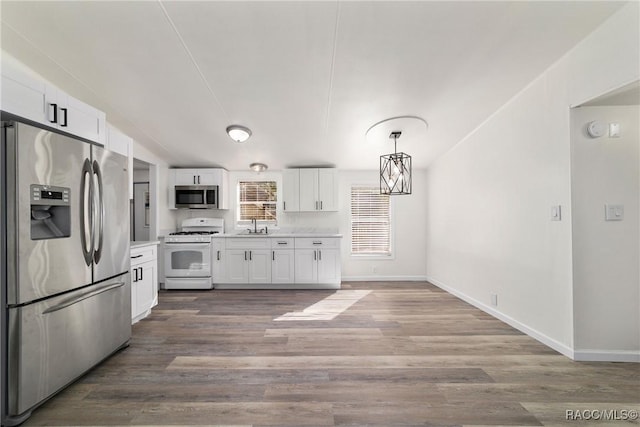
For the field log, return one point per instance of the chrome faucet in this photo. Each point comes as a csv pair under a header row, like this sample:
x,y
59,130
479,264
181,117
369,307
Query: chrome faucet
x,y
255,230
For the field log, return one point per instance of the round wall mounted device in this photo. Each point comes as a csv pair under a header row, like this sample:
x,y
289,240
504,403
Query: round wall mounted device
x,y
595,129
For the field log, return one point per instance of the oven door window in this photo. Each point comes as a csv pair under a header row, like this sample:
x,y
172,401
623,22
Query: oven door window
x,y
190,197
188,262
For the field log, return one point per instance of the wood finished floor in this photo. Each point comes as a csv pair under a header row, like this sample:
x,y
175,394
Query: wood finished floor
x,y
404,354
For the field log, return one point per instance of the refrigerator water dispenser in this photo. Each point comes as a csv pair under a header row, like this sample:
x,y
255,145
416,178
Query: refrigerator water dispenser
x,y
50,212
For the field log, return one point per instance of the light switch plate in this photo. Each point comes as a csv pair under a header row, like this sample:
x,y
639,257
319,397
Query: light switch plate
x,y
614,130
613,212
556,213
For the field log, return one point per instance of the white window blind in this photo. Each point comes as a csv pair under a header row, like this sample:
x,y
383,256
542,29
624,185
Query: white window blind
x,y
257,200
370,221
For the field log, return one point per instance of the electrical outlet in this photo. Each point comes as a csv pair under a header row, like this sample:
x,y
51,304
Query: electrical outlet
x,y
556,213
494,300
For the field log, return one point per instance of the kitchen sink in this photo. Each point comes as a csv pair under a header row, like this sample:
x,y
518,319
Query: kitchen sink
x,y
262,232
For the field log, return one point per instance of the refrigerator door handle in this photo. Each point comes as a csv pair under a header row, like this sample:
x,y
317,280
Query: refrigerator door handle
x,y
97,253
70,301
86,236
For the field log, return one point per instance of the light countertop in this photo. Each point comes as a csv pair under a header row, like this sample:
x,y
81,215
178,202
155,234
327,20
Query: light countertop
x,y
277,234
142,243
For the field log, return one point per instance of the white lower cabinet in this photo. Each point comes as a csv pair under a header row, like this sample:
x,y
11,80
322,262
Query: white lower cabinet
x,y
317,266
260,266
144,281
248,260
282,260
248,266
317,260
306,266
329,270
218,270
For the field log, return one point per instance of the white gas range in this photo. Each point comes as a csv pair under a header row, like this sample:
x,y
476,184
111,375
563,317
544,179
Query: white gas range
x,y
188,254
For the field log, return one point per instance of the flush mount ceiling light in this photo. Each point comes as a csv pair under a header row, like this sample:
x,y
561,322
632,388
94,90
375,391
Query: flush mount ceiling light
x,y
395,170
258,167
239,133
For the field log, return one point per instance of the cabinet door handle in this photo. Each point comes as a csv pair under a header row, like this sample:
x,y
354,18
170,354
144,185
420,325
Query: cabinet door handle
x,y
245,255
284,206
250,259
141,270
273,255
319,255
314,255
136,256
218,256
135,275
282,243
194,179
55,113
320,204
317,243
198,179
64,110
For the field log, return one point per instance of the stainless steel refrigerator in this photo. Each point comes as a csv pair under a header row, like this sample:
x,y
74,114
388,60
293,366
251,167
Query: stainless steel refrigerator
x,y
66,288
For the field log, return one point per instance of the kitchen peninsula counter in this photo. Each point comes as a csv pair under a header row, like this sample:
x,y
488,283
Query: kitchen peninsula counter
x,y
143,243
282,259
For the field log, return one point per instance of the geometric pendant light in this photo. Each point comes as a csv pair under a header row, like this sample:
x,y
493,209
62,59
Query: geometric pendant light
x,y
395,170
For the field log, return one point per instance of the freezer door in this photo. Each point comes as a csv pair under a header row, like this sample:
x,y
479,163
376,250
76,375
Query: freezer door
x,y
111,221
45,243
54,341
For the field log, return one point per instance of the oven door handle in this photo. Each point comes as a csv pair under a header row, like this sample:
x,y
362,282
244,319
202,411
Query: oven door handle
x,y
199,245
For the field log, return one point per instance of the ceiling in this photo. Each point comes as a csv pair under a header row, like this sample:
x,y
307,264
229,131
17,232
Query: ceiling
x,y
626,95
309,78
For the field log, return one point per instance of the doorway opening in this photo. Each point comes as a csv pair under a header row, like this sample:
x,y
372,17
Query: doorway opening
x,y
141,209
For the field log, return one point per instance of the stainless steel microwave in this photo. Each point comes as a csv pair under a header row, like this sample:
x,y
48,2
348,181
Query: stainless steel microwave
x,y
196,196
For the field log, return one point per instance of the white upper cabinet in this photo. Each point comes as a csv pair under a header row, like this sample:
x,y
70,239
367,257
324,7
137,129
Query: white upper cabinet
x,y
310,190
22,94
69,114
199,176
186,177
328,189
29,97
291,190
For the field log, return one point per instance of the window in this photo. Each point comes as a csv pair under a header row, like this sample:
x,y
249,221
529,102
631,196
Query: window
x,y
370,221
257,200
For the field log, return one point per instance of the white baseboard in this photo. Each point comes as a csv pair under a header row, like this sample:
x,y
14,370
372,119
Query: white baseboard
x,y
607,356
544,339
379,278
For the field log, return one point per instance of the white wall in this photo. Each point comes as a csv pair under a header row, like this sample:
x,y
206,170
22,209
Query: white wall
x,y
408,211
605,253
488,199
163,220
141,175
